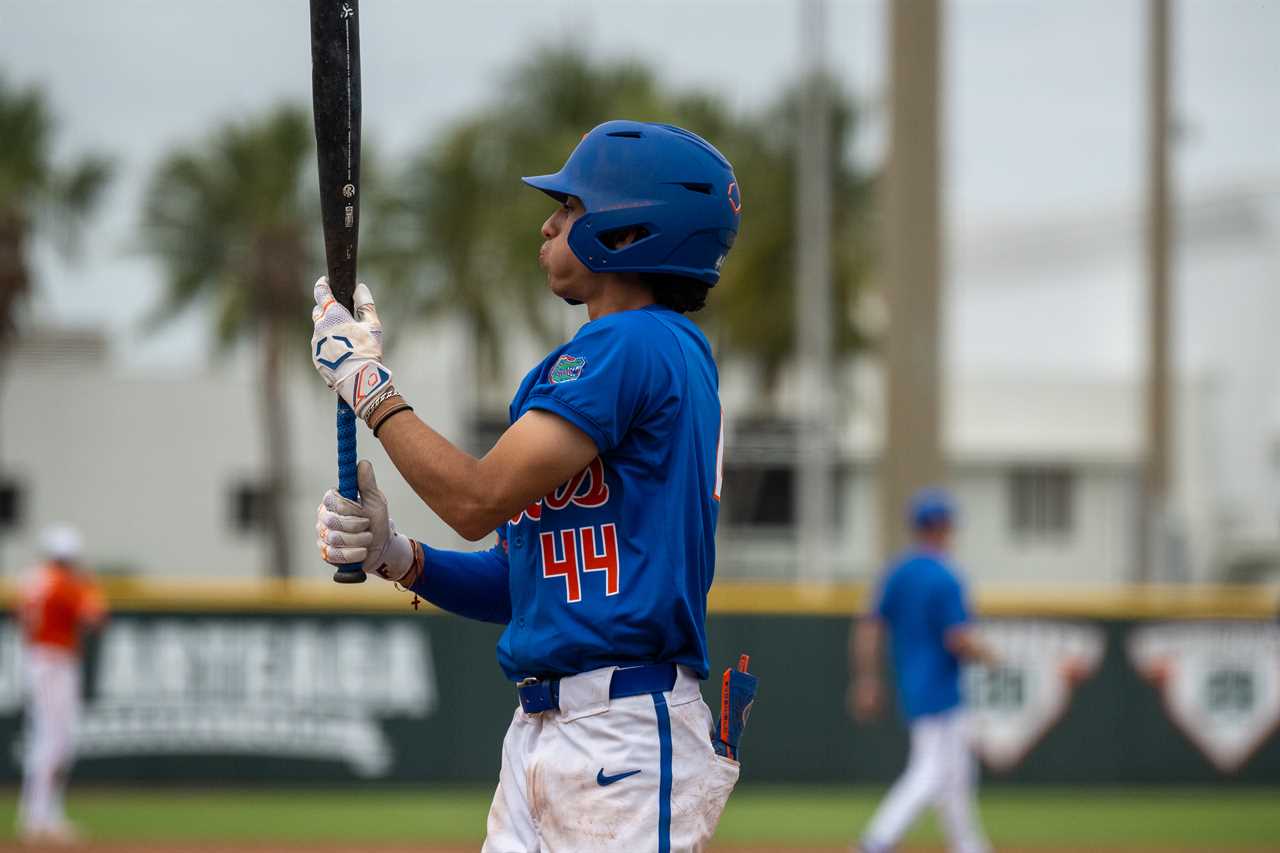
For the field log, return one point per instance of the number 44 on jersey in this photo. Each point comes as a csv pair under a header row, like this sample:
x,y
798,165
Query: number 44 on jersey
x,y
598,547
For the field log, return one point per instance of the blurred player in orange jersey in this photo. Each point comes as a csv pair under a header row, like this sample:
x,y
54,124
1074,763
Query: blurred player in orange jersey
x,y
56,604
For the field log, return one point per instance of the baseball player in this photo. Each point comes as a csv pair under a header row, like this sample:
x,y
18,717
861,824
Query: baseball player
x,y
921,602
55,604
604,493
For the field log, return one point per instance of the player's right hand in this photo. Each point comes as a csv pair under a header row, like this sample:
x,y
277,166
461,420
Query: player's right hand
x,y
865,698
348,532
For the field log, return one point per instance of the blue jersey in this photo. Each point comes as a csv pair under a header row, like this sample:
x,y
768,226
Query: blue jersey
x,y
614,566
920,599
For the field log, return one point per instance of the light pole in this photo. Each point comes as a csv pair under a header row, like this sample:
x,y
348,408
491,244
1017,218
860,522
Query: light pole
x,y
815,505
912,451
1153,521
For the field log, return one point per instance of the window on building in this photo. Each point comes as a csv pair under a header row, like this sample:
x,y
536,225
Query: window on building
x,y
1041,501
248,506
10,504
761,482
758,495
759,474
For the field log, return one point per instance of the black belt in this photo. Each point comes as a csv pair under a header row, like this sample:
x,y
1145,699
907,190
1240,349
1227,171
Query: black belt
x,y
538,695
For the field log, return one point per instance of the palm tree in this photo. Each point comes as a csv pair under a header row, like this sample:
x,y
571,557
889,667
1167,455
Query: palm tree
x,y
465,235
36,194
461,234
37,197
232,222
752,309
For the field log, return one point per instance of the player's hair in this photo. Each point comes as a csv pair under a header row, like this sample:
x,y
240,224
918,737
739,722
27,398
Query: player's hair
x,y
677,292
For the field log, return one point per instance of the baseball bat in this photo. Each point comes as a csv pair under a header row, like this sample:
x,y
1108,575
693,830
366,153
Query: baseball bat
x,y
335,98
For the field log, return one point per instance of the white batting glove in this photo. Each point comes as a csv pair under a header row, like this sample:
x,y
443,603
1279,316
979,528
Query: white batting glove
x,y
348,532
347,351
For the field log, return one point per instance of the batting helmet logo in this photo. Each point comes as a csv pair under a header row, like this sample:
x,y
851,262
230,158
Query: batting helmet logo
x,y
735,197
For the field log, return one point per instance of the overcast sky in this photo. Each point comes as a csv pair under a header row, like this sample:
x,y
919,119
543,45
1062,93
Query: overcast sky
x,y
1043,99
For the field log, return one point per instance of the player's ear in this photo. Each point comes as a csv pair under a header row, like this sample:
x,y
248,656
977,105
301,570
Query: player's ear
x,y
625,237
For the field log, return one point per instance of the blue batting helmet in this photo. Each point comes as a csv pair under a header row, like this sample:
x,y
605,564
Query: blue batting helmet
x,y
669,182
931,507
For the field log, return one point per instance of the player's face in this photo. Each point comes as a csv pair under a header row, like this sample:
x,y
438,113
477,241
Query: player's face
x,y
937,537
566,275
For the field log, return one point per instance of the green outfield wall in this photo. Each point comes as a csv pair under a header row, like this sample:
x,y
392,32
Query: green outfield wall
x,y
299,685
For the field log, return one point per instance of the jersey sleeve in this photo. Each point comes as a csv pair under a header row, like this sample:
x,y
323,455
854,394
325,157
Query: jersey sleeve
x,y
471,584
608,379
952,608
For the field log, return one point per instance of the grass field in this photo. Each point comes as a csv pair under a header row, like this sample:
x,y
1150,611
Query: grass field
x,y
780,818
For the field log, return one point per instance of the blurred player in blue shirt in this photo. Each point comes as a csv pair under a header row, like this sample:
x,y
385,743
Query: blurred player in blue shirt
x,y
921,602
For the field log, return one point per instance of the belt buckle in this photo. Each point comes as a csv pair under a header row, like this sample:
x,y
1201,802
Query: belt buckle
x,y
536,694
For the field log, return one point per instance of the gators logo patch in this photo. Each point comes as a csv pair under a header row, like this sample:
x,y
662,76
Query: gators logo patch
x,y
566,369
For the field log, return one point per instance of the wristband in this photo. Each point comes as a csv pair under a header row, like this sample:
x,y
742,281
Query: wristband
x,y
395,410
373,418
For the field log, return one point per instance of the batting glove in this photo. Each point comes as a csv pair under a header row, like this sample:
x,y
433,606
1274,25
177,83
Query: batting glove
x,y
348,532
347,350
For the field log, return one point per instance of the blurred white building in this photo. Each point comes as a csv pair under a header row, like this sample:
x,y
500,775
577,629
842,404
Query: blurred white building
x,y
160,471
1042,426
1044,409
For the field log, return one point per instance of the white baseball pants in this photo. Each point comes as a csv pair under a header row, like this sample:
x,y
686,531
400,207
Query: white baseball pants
x,y
940,772
632,774
53,709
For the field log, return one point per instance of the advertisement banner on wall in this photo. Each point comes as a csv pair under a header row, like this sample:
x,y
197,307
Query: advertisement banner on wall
x,y
267,687
330,698
1220,683
1016,703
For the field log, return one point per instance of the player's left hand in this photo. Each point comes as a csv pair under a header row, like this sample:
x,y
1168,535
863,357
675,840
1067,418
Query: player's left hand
x,y
347,350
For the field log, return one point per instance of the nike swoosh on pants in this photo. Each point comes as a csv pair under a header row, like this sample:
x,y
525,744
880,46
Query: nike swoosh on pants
x,y
603,780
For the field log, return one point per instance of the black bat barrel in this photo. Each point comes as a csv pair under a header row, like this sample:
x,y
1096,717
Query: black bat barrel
x,y
335,93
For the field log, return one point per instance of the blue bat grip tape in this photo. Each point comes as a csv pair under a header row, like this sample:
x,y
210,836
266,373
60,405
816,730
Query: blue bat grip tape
x,y
347,486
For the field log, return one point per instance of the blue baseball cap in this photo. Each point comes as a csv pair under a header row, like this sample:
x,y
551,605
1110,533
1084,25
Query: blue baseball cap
x,y
931,507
